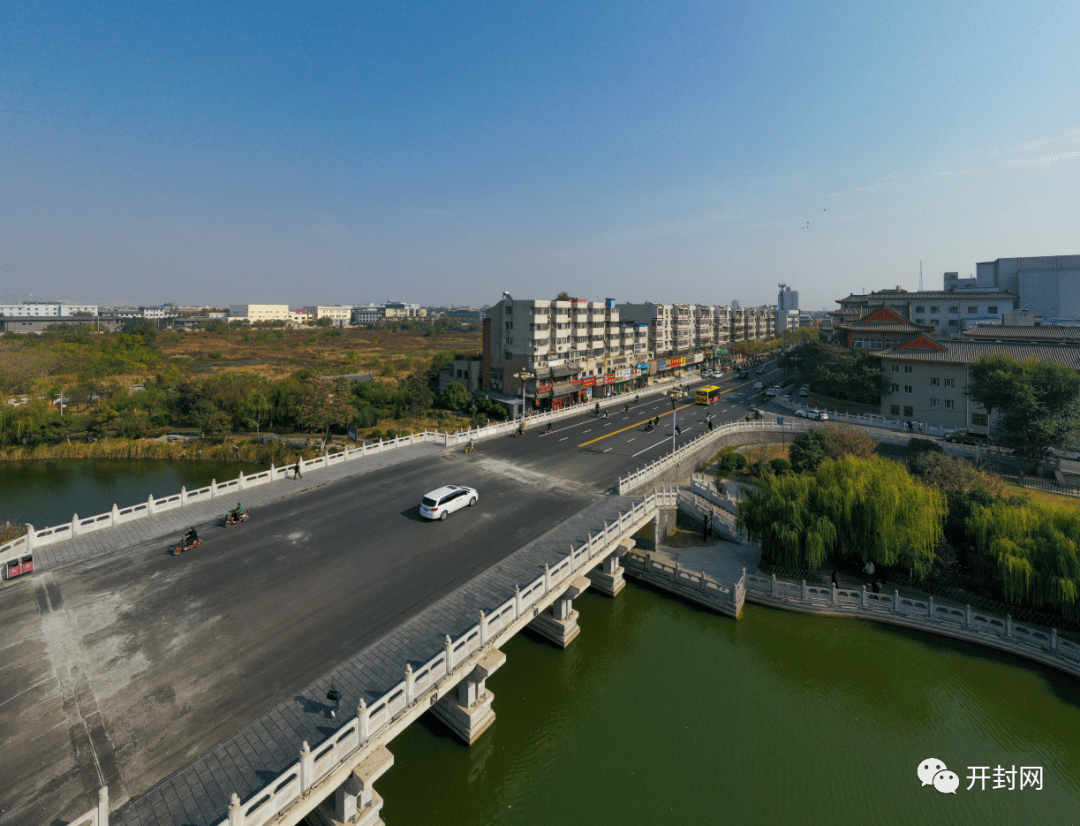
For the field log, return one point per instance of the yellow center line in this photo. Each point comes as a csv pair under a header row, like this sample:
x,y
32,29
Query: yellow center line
x,y
632,426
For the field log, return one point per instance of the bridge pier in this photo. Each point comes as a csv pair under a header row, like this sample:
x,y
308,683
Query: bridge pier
x,y
559,622
356,803
608,579
467,710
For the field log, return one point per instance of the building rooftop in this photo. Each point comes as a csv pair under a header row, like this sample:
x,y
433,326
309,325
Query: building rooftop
x,y
948,351
997,332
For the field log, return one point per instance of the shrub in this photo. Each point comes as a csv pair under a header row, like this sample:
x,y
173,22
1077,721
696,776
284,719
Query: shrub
x,y
375,434
779,465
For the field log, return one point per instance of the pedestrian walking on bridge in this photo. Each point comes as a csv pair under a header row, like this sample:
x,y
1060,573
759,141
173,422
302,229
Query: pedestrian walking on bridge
x,y
296,469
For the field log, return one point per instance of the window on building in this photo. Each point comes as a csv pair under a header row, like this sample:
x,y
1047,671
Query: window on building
x,y
950,382
973,310
948,404
896,368
979,420
896,388
934,380
934,310
920,310
954,310
953,322
907,388
935,402
992,310
920,321
909,411
894,410
907,368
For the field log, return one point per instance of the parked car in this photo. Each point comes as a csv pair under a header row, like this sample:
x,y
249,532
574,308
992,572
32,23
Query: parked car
x,y
965,437
771,392
441,502
811,413
743,375
803,392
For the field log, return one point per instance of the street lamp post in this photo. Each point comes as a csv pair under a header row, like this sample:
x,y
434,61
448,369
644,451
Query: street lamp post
x,y
523,376
674,395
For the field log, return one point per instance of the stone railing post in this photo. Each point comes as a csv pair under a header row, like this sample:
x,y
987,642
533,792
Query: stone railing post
x,y
213,488
326,457
448,646
1054,640
864,602
896,601
547,578
517,601
1008,625
362,722
410,686
103,806
930,608
150,505
967,615
307,769
75,524
240,481
772,587
832,596
183,491
483,630
115,520
236,812
802,591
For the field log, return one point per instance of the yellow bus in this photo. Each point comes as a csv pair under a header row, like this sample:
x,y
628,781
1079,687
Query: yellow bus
x,y
707,395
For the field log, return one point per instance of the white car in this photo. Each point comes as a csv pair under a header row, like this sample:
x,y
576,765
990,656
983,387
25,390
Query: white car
x,y
758,385
440,503
770,392
816,415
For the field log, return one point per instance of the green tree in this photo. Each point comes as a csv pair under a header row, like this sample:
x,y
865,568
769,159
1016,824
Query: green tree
x,y
323,404
809,450
1029,553
851,508
1038,403
456,396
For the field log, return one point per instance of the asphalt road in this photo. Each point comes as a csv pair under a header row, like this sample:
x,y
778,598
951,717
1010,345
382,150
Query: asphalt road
x,y
120,669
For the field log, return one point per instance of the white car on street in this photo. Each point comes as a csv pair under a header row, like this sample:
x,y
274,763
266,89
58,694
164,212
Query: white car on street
x,y
440,503
810,413
758,385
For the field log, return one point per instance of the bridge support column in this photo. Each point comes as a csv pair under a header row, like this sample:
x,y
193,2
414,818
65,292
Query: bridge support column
x,y
608,579
466,711
559,622
356,803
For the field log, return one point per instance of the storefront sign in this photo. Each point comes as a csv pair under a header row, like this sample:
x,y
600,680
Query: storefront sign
x,y
699,357
588,381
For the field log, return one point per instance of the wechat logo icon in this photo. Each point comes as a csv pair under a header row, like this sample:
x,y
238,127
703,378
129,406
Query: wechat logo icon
x,y
933,772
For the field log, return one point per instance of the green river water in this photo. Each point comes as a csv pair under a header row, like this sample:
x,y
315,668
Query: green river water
x,y
661,712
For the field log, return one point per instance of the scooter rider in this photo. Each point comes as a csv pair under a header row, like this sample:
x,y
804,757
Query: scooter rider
x,y
190,538
237,514
596,409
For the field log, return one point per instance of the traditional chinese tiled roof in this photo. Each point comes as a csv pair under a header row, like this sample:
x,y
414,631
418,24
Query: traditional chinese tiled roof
x,y
926,349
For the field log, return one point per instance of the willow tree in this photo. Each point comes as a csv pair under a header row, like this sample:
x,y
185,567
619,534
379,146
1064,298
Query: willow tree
x,y
1030,553
853,508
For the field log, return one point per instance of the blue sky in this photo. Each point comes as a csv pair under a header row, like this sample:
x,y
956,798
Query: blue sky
x,y
444,152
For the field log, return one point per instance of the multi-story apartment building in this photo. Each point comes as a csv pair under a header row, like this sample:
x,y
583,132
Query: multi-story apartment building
x,y
369,314
660,320
258,312
560,352
47,309
787,309
704,327
339,314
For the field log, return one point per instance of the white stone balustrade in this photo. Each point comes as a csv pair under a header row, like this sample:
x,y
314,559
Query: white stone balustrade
x,y
925,614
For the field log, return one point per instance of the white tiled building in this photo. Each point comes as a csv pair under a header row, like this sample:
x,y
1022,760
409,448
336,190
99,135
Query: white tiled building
x,y
258,312
340,314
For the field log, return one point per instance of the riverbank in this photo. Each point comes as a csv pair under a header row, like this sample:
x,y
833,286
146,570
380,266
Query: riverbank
x,y
250,451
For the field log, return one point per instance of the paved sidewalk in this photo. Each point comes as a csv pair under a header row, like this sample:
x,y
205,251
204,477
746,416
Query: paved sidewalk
x,y
175,522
